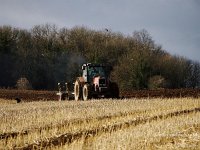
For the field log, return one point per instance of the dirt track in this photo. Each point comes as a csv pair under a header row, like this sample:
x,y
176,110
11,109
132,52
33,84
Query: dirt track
x,y
31,95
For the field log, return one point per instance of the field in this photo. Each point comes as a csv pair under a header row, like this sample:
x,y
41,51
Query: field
x,y
32,95
153,123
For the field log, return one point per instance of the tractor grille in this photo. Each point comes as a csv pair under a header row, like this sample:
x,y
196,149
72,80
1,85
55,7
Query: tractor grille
x,y
102,82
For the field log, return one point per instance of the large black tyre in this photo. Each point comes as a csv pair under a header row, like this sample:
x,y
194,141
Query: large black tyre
x,y
77,91
114,90
86,92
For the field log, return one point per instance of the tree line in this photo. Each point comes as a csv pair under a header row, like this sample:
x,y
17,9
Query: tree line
x,y
46,54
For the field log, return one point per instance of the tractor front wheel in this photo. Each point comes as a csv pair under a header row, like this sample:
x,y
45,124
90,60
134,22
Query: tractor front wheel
x,y
77,91
86,92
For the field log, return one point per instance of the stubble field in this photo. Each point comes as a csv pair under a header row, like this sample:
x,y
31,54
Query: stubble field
x,y
153,123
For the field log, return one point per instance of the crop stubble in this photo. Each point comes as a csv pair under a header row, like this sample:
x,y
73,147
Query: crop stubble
x,y
71,137
102,122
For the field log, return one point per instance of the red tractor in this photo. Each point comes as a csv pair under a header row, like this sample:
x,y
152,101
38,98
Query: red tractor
x,y
95,83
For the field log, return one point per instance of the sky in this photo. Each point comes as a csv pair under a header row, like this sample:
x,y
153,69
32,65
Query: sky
x,y
173,24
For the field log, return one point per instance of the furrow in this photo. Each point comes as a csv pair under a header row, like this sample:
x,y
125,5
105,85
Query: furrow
x,y
65,123
70,137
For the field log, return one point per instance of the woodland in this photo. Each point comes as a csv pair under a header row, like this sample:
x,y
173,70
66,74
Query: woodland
x,y
46,55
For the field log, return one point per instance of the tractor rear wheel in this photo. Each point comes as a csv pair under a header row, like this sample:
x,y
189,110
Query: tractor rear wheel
x,y
86,92
114,90
77,91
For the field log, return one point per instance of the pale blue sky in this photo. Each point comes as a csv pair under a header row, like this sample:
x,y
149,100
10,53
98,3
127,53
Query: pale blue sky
x,y
174,24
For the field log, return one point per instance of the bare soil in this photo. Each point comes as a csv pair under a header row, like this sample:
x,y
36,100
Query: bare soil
x,y
33,95
165,93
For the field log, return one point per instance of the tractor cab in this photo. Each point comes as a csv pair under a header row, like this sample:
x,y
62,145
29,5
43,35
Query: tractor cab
x,y
90,71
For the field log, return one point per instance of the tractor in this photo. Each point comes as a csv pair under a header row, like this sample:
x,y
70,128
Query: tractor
x,y
95,83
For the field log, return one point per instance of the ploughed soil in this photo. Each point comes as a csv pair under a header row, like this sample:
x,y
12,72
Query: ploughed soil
x,y
28,95
33,95
162,93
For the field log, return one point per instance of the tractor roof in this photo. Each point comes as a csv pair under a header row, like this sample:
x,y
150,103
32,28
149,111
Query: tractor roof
x,y
95,65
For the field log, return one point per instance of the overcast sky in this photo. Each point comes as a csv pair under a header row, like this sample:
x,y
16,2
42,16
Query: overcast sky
x,y
174,24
